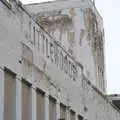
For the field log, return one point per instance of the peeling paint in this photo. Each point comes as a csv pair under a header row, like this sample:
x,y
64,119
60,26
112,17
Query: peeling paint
x,y
60,24
49,66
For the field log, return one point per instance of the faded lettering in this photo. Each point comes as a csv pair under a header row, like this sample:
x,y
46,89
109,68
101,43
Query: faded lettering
x,y
54,52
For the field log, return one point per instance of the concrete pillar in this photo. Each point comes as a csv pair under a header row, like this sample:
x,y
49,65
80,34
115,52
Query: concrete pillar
x,y
46,106
1,94
18,98
33,109
58,109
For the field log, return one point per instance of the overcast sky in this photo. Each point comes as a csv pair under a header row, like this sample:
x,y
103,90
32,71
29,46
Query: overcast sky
x,y
109,10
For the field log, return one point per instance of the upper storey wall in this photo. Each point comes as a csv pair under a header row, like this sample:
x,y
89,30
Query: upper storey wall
x,y
78,27
26,49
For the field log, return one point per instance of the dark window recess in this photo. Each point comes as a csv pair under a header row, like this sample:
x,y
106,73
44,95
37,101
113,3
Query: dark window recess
x,y
62,112
72,115
80,117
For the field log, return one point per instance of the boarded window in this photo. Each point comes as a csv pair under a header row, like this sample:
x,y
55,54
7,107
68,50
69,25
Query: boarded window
x,y
52,109
72,115
40,106
9,96
26,101
62,111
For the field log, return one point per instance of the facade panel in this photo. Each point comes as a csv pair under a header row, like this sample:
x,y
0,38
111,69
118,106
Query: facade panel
x,y
52,109
72,115
40,106
63,112
26,101
9,96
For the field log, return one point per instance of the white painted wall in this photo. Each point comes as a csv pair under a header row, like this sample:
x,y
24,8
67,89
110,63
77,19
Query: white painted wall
x,y
82,51
79,94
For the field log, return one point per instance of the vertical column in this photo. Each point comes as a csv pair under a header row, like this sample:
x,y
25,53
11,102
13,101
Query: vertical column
x,y
18,98
68,113
76,117
58,109
46,106
1,94
33,96
33,109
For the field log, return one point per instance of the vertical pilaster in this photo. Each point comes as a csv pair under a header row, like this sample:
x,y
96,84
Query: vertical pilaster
x,y
68,113
1,94
46,106
18,98
76,117
34,110
58,109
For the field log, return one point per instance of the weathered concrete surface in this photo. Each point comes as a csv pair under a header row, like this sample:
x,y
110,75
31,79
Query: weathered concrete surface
x,y
24,50
77,25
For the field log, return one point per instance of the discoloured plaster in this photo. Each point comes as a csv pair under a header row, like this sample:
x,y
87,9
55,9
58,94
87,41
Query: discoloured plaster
x,y
59,25
79,95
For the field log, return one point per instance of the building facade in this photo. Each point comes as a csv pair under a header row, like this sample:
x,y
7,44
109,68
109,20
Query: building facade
x,y
47,64
77,25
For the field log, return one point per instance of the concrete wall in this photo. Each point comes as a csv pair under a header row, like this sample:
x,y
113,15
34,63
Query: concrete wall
x,y
22,39
78,26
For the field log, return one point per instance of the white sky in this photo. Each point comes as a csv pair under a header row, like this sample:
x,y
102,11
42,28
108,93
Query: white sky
x,y
109,10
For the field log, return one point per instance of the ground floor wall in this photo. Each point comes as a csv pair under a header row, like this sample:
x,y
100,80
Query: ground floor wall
x,y
27,100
